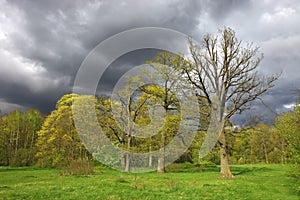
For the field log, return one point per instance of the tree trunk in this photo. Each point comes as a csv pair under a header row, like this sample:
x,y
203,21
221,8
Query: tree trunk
x,y
283,157
127,163
266,153
123,160
225,169
161,162
127,160
150,156
161,158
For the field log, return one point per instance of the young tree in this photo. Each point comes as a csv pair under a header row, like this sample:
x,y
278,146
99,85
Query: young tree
x,y
224,73
262,144
18,134
4,141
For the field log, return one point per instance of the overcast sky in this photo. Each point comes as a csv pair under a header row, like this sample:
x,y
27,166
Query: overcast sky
x,y
43,43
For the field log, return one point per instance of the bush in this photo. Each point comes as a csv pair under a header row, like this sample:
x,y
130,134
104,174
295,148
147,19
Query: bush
x,y
78,167
23,157
182,167
107,155
206,165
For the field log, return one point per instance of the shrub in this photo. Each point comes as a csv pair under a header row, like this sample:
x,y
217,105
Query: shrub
x,y
182,167
206,165
77,167
107,155
23,157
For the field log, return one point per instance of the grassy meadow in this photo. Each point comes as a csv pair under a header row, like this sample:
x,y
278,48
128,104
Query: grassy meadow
x,y
251,182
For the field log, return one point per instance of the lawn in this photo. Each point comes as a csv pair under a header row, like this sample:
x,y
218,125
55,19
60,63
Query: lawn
x,y
251,182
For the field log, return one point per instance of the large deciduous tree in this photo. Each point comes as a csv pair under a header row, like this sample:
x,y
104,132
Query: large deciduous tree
x,y
224,73
58,142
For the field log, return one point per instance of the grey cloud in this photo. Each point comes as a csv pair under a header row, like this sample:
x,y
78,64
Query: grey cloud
x,y
220,9
57,36
117,69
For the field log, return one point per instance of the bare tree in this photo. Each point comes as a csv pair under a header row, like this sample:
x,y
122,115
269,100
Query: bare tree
x,y
225,74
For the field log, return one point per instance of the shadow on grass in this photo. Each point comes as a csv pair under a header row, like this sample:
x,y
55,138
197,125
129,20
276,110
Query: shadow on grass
x,y
191,168
8,169
237,170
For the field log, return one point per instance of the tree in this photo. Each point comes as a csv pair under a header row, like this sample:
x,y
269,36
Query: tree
x,y
126,113
224,73
265,144
18,134
288,125
112,131
58,142
157,85
164,73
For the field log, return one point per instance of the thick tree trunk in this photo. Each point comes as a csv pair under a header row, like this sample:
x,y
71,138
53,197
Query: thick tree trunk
x,y
161,163
225,168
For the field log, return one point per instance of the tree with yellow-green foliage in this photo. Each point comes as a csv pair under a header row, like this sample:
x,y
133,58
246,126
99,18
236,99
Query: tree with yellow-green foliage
x,y
288,125
58,142
164,73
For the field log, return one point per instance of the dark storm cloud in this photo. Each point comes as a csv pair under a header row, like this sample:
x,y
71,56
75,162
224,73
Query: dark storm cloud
x,y
43,43
126,62
279,99
48,34
57,35
115,16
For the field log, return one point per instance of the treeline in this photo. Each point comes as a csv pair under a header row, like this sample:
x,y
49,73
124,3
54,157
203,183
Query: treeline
x,y
262,143
28,138
257,144
18,137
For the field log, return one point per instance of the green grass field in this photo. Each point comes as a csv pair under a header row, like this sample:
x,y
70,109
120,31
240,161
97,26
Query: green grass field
x,y
251,182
